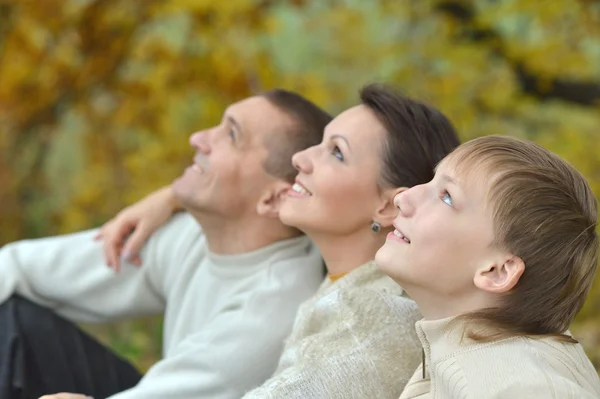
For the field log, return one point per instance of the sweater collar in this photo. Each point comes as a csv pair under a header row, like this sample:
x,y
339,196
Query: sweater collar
x,y
248,261
442,338
367,273
446,337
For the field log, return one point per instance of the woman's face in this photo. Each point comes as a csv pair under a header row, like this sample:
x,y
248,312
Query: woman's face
x,y
336,188
443,236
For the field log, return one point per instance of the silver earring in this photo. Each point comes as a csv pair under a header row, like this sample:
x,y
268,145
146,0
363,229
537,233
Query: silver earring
x,y
376,227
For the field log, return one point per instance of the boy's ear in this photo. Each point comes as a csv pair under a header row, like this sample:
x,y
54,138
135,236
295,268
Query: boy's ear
x,y
387,211
270,202
500,276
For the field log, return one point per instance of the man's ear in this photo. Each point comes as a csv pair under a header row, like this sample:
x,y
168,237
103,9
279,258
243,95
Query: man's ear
x,y
270,202
387,211
500,277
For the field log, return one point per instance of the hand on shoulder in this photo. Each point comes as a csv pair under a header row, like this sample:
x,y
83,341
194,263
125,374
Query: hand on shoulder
x,y
126,233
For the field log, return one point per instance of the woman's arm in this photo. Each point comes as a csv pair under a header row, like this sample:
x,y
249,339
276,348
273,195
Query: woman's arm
x,y
125,234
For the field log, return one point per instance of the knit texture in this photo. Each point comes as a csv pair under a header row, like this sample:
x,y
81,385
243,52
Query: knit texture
x,y
354,339
226,316
519,367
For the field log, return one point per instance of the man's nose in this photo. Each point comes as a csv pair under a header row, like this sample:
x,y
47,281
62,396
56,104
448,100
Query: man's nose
x,y
199,141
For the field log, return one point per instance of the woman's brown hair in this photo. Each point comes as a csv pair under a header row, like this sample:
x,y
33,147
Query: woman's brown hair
x,y
418,136
545,213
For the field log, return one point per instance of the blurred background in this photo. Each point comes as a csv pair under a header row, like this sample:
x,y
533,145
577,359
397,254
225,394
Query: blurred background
x,y
98,97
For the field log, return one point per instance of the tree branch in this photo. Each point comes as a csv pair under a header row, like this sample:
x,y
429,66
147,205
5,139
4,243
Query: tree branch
x,y
579,92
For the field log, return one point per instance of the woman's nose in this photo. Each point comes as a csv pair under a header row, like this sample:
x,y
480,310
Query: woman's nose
x,y
302,161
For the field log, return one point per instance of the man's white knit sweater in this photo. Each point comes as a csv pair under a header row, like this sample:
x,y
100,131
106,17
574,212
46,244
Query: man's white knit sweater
x,y
354,339
515,368
225,316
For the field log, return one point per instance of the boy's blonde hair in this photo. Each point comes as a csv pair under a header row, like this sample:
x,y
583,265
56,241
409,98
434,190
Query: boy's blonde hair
x,y
545,213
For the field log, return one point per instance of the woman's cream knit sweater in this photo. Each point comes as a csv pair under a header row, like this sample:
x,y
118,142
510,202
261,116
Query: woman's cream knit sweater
x,y
354,339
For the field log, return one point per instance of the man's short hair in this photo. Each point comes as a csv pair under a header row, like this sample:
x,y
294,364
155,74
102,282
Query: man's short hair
x,y
308,122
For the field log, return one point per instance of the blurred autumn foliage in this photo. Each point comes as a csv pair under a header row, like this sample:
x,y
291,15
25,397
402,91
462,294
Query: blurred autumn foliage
x,y
98,97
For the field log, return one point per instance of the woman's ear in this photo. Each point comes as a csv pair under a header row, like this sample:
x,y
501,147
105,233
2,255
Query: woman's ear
x,y
501,276
270,202
387,211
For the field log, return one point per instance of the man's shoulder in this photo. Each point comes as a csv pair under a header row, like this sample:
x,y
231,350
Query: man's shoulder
x,y
293,257
295,265
178,243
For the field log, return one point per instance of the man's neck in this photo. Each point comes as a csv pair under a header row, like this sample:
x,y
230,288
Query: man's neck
x,y
234,237
342,254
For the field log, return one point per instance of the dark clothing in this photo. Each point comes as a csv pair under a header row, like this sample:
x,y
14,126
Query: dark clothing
x,y
42,353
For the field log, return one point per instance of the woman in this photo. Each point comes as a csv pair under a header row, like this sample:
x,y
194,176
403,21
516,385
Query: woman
x,y
355,337
499,251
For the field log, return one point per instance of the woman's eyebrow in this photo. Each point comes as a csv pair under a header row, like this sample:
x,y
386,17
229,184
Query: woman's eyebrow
x,y
339,136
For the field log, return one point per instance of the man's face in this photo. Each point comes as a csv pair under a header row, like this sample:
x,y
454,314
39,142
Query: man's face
x,y
226,177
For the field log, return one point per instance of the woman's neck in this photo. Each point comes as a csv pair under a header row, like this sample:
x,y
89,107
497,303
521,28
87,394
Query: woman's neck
x,y
342,254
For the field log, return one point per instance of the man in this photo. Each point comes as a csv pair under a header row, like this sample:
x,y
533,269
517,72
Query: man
x,y
227,274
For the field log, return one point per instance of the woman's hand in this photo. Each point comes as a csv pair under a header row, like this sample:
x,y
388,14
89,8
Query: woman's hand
x,y
66,396
126,233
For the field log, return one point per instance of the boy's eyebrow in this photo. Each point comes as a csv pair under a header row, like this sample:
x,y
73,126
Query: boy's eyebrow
x,y
449,179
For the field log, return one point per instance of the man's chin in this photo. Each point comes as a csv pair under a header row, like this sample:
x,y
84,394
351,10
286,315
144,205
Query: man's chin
x,y
178,187
185,194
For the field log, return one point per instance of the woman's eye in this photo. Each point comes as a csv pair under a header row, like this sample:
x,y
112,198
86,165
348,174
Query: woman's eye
x,y
232,134
446,198
337,153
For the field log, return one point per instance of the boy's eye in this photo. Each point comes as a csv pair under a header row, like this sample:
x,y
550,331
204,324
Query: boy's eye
x,y
447,199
